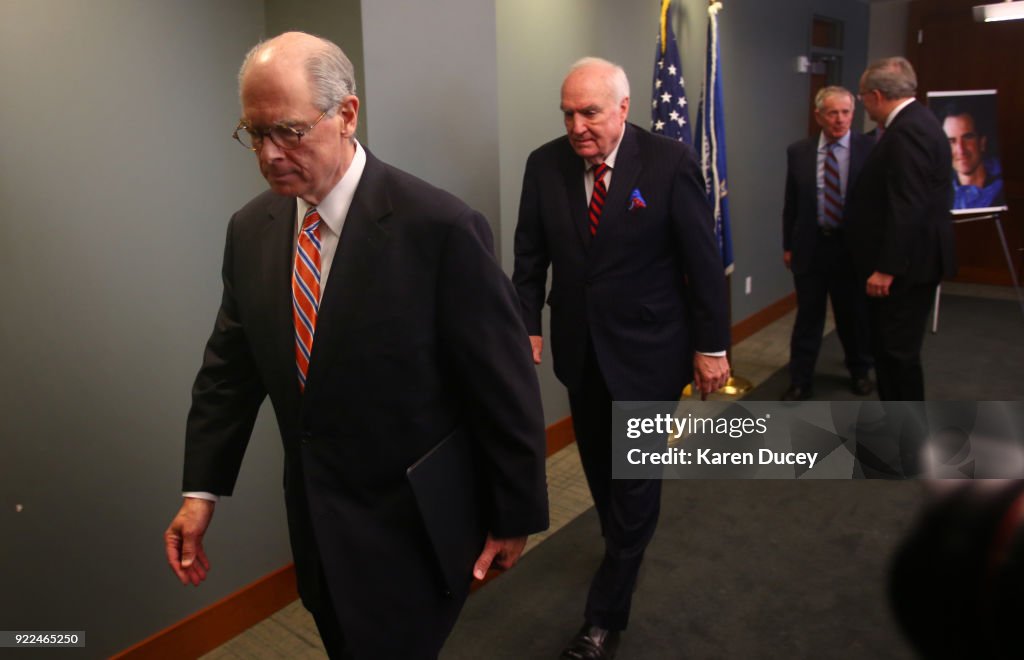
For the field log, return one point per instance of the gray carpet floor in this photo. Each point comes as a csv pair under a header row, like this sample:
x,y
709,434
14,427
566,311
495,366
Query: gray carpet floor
x,y
756,569
977,354
737,569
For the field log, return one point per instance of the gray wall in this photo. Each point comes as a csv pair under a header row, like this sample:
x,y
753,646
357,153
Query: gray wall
x,y
432,94
117,179
887,34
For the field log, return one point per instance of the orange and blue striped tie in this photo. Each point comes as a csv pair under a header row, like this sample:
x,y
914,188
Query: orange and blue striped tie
x,y
597,198
306,291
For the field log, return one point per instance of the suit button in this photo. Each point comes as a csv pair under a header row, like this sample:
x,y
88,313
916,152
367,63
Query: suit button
x,y
306,437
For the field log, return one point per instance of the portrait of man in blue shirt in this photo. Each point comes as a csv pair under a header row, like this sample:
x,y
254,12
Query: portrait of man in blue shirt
x,y
977,172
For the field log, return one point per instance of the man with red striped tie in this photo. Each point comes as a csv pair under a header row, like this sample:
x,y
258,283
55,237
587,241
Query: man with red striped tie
x,y
638,303
368,307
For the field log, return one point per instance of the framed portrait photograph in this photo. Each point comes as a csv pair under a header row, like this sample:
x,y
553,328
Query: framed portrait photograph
x,y
968,118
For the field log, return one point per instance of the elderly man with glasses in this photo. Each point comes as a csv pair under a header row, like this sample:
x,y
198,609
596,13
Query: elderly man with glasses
x,y
368,306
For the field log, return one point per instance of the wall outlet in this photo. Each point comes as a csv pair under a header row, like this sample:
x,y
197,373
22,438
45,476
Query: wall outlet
x,y
748,285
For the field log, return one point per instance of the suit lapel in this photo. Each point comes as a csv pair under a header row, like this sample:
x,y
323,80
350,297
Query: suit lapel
x,y
278,247
358,246
576,194
809,171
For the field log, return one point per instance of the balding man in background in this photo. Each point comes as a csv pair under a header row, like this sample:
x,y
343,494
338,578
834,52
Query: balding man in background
x,y
621,217
900,229
411,358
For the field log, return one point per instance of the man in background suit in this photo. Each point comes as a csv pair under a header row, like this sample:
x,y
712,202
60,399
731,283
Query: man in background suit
x,y
637,286
415,339
819,172
900,229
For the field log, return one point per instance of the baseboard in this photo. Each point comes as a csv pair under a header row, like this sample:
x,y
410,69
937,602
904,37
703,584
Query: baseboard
x,y
764,318
560,435
214,625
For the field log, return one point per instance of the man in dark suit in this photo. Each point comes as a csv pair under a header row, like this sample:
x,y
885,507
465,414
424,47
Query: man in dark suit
x,y
900,229
415,343
621,217
819,172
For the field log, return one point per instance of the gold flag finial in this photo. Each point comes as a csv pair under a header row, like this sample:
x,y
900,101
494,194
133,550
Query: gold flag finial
x,y
664,12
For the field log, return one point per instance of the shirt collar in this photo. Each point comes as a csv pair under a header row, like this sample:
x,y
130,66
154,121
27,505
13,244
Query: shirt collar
x,y
843,142
896,111
333,208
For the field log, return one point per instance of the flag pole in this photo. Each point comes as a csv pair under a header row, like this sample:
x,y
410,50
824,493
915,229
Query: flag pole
x,y
712,152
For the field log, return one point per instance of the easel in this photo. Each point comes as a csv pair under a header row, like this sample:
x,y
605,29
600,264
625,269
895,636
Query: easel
x,y
997,218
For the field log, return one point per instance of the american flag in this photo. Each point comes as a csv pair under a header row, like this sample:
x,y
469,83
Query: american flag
x,y
669,114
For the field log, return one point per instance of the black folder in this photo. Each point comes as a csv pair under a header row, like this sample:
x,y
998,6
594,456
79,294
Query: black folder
x,y
446,486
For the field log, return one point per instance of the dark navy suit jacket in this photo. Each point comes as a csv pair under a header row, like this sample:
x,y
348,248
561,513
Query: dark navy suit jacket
x,y
898,209
647,290
418,334
800,213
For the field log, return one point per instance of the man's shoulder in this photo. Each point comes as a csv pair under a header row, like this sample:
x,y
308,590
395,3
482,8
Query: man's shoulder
x,y
407,189
862,139
803,144
654,143
551,151
414,205
264,205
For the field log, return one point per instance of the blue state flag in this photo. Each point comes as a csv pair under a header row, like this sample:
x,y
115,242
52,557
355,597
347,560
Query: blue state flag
x,y
669,114
711,137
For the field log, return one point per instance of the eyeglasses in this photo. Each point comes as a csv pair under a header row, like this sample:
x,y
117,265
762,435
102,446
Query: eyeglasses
x,y
284,136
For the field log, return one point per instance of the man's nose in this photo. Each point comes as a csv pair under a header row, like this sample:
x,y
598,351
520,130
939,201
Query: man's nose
x,y
578,125
268,150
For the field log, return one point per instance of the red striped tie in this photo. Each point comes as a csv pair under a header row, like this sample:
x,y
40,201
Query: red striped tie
x,y
306,291
597,199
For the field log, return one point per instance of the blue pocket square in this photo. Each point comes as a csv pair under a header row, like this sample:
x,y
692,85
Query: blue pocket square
x,y
636,200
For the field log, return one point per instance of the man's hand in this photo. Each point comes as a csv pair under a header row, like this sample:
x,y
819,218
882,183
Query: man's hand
x,y
878,284
710,372
183,540
787,258
503,552
537,344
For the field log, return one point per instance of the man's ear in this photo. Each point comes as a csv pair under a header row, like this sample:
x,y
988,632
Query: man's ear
x,y
348,110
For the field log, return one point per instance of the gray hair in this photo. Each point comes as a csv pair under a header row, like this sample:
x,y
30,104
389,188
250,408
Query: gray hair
x,y
330,73
894,77
831,90
618,80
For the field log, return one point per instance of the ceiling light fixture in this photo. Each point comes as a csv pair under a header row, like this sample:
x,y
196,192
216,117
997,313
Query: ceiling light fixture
x,y
1010,10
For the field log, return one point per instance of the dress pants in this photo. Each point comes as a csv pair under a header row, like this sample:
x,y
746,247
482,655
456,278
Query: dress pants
x,y
898,323
627,508
831,275
327,624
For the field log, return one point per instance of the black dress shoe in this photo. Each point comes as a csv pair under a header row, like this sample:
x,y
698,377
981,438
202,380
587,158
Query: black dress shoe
x,y
861,385
592,643
797,393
